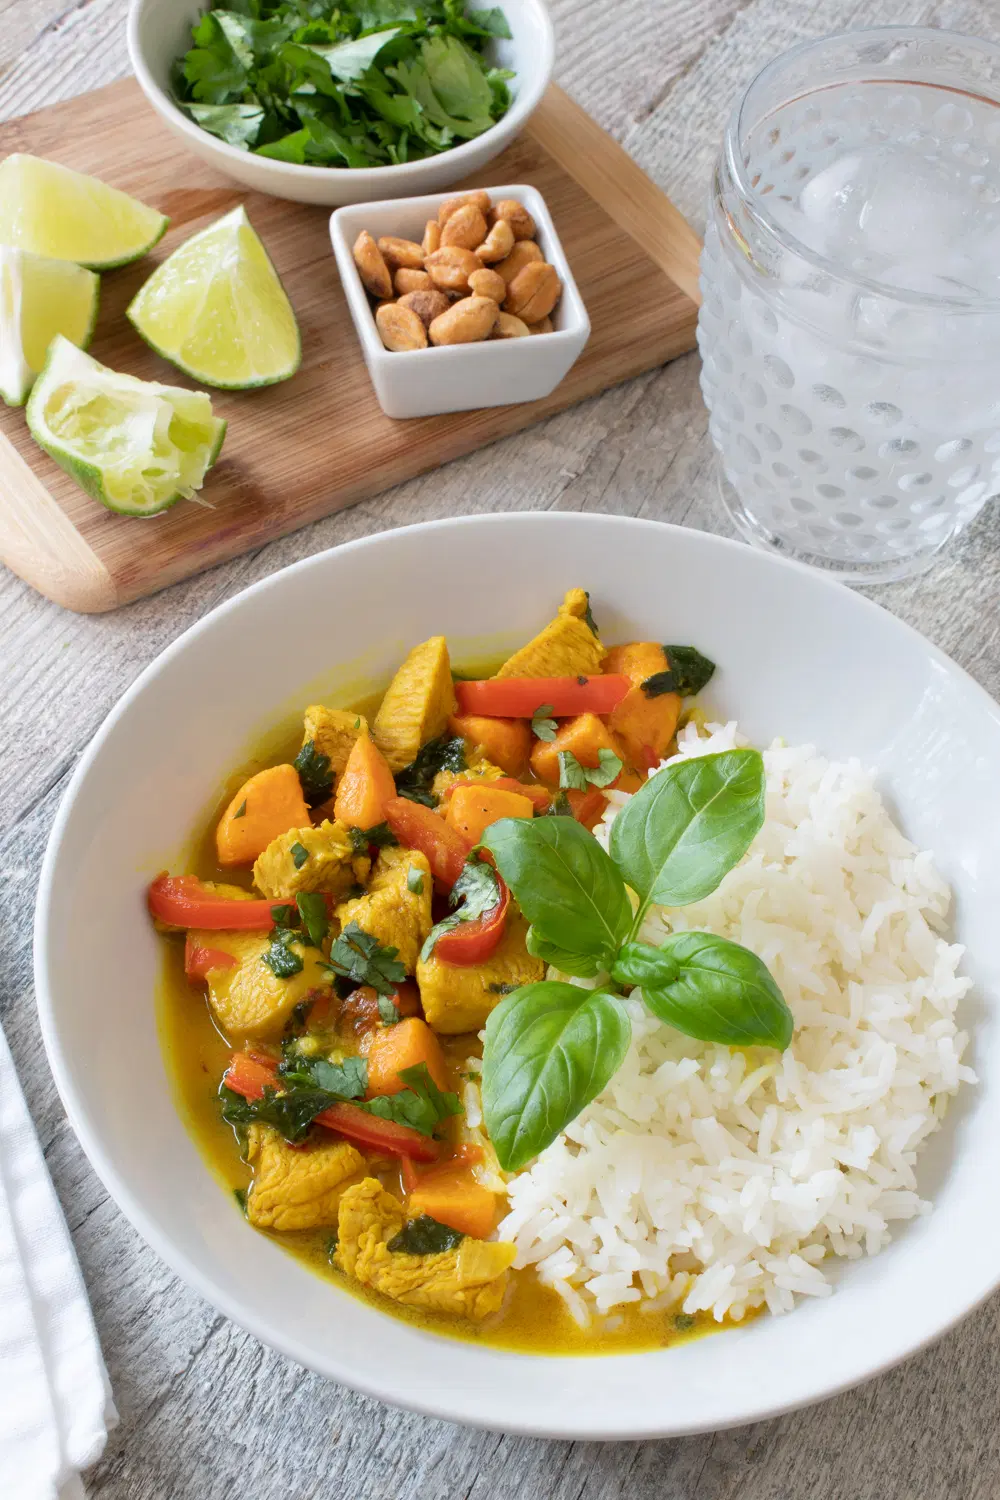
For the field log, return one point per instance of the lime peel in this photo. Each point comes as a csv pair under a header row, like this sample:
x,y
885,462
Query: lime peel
x,y
217,310
136,446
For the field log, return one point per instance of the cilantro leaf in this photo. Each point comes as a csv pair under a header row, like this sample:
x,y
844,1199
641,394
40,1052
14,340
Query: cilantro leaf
x,y
475,892
415,780
280,957
425,1236
241,811
345,1080
421,1105
415,881
358,956
300,855
543,727
312,910
578,778
388,1010
313,767
379,837
589,620
236,124
492,21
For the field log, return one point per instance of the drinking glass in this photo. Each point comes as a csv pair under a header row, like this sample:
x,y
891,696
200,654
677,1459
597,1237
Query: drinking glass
x,y
850,329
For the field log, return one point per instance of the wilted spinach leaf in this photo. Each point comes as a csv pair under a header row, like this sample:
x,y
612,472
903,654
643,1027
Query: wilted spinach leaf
x,y
415,780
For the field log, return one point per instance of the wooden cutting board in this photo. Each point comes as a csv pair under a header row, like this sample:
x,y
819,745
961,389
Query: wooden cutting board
x,y
301,450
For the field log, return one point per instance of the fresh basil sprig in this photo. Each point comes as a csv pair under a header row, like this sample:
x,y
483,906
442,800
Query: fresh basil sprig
x,y
552,1047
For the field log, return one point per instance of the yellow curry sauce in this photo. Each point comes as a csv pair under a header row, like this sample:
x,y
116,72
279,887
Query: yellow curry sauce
x,y
533,1317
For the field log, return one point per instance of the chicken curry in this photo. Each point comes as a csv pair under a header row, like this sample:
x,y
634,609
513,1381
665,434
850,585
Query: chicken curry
x,y
350,937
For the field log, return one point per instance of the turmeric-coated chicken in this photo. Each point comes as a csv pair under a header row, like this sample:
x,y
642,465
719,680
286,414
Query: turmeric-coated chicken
x,y
396,908
308,859
248,998
567,647
459,997
297,1187
469,1281
332,732
417,703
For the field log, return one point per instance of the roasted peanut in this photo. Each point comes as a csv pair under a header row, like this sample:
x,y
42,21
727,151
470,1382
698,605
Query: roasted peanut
x,y
509,327
498,243
450,268
479,200
432,237
488,284
466,322
400,327
426,305
371,267
545,326
406,280
517,217
396,252
534,292
523,253
465,227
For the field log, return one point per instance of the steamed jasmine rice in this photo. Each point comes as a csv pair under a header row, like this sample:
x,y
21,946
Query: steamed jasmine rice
x,y
709,1178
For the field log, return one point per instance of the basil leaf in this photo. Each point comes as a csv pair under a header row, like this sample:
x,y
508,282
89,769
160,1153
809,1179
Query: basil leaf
x,y
425,1236
312,910
475,892
550,1049
585,966
642,964
564,882
314,773
722,993
543,726
677,837
691,670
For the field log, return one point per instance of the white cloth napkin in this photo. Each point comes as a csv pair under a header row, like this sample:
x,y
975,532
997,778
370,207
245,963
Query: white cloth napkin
x,y
55,1400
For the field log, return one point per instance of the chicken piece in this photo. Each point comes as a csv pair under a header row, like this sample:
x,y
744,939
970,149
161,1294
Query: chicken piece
x,y
459,997
283,870
297,1187
567,647
478,766
391,911
470,1280
333,732
417,704
248,998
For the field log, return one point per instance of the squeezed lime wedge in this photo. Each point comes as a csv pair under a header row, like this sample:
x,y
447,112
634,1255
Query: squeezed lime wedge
x,y
52,210
38,299
136,446
218,311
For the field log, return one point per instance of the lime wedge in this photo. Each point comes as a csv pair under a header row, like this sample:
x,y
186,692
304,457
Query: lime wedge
x,y
135,446
217,310
38,299
54,211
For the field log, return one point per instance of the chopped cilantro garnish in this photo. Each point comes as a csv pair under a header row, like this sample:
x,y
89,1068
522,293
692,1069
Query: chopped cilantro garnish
x,y
312,910
299,854
415,780
578,778
415,881
358,956
543,726
421,1105
314,773
281,958
241,811
388,1010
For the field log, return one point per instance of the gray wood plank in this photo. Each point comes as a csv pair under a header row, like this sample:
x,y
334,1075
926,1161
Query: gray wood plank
x,y
205,1410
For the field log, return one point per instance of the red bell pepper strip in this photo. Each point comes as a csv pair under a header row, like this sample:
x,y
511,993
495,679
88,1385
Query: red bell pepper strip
x,y
476,941
182,901
356,1124
539,795
522,697
421,828
250,1074
198,960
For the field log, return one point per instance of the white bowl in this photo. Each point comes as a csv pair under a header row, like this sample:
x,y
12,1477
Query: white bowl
x,y
424,382
798,655
160,30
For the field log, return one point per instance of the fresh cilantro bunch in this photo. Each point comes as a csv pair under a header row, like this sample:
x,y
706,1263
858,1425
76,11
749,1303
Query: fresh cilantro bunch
x,y
362,83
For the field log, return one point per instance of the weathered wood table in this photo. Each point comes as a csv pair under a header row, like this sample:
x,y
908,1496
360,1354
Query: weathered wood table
x,y
205,1410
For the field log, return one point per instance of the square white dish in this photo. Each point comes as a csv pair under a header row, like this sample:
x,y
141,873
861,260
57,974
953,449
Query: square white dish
x,y
460,377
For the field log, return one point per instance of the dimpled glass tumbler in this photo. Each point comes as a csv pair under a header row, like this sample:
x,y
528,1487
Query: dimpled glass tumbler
x,y
850,329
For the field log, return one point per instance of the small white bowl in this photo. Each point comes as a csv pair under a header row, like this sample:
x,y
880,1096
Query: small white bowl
x,y
160,31
461,377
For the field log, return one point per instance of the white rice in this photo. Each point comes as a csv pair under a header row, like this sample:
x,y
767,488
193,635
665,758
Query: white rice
x,y
709,1178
